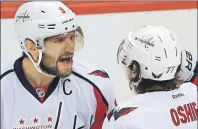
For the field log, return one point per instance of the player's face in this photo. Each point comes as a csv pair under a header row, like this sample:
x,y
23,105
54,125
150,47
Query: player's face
x,y
57,58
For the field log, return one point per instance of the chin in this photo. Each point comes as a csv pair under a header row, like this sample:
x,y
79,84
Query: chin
x,y
65,73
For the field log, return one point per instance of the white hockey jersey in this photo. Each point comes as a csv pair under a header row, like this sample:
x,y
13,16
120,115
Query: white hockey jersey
x,y
175,109
80,101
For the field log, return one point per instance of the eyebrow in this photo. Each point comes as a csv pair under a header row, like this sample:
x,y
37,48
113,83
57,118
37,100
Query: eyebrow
x,y
58,36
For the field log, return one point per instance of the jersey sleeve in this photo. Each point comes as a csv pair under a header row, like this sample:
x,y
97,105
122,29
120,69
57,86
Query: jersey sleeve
x,y
110,95
194,79
109,92
106,100
106,85
103,90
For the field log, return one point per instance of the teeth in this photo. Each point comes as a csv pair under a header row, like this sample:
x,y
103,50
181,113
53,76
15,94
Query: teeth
x,y
66,56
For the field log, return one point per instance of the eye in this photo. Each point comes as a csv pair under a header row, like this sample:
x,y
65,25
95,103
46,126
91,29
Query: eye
x,y
59,40
72,37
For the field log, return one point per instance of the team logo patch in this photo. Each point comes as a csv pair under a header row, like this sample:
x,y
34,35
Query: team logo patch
x,y
23,16
40,92
100,73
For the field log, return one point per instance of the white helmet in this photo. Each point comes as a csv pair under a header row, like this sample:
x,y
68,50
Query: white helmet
x,y
188,64
156,50
41,19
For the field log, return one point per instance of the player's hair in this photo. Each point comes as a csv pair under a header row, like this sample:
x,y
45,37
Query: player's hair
x,y
148,85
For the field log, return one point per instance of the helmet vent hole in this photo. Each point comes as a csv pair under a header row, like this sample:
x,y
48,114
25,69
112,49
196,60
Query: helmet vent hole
x,y
41,26
51,26
157,58
65,28
21,43
73,26
42,11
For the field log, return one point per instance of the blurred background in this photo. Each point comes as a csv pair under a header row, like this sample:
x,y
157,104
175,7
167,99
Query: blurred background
x,y
105,25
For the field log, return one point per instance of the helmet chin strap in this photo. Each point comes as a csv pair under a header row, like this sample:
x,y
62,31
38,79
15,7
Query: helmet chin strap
x,y
37,64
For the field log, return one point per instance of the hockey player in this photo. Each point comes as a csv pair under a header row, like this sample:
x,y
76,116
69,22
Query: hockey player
x,y
188,69
46,89
150,56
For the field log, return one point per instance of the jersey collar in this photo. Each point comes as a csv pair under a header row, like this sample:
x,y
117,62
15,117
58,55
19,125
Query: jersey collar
x,y
26,84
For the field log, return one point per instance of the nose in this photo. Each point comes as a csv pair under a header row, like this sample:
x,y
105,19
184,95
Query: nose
x,y
69,44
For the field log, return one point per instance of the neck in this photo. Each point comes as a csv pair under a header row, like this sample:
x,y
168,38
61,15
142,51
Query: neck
x,y
34,76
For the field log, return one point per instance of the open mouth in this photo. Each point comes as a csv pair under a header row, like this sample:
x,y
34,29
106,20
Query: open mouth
x,y
65,61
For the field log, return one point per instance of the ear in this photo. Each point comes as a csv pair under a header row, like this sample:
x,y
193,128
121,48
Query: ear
x,y
32,49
